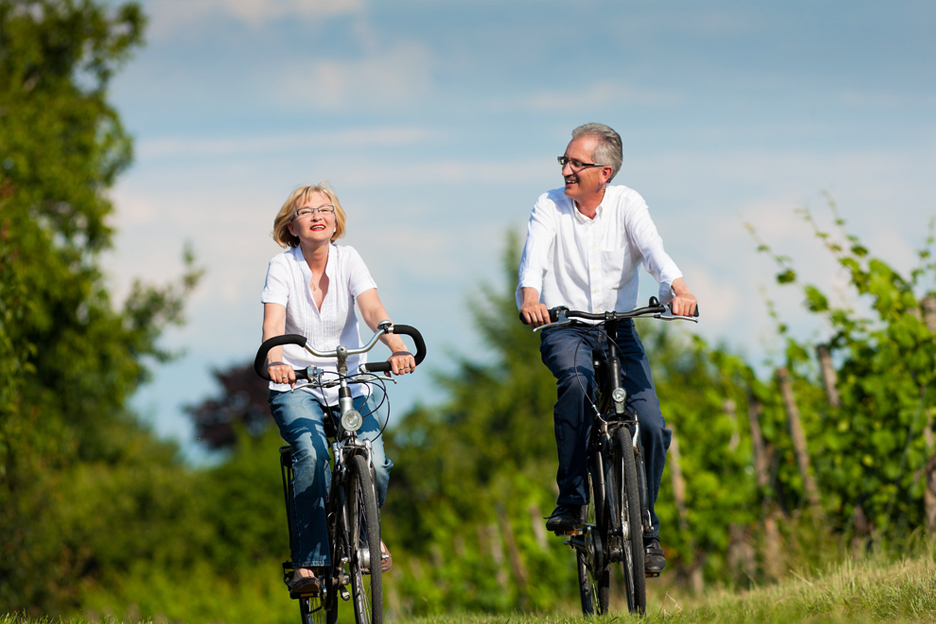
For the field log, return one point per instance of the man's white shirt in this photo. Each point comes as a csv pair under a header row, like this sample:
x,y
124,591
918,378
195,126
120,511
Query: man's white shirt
x,y
591,264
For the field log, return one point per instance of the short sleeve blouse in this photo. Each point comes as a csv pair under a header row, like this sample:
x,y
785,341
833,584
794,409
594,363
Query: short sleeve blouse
x,y
288,284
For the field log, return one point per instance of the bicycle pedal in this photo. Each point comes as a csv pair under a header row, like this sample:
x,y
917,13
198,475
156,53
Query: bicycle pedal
x,y
568,534
651,574
345,594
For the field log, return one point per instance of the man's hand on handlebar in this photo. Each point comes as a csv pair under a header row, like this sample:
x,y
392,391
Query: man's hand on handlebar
x,y
683,302
533,312
683,306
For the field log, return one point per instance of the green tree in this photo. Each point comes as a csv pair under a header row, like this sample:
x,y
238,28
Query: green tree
x,y
70,358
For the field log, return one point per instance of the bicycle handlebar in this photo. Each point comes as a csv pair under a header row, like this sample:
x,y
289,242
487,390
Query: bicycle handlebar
x,y
297,339
562,315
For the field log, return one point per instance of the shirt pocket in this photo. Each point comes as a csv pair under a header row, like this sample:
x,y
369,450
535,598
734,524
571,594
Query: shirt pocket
x,y
613,267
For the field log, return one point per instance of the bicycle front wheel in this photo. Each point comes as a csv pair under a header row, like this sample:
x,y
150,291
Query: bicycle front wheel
x,y
317,610
594,571
629,528
364,541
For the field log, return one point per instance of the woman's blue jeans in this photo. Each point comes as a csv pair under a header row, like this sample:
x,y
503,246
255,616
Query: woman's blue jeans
x,y
300,419
569,353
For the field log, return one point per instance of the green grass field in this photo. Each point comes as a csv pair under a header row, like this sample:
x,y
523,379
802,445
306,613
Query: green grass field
x,y
865,591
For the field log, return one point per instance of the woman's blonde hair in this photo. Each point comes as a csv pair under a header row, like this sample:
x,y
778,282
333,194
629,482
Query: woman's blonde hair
x,y
297,199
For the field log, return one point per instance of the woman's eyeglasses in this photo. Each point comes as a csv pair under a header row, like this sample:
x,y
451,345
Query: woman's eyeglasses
x,y
325,211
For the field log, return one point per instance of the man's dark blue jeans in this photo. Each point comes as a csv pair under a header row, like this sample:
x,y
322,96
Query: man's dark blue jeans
x,y
568,353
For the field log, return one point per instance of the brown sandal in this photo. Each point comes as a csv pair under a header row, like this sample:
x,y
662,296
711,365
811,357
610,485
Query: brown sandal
x,y
386,561
305,585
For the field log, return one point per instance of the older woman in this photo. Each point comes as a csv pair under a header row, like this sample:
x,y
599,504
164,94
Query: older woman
x,y
311,289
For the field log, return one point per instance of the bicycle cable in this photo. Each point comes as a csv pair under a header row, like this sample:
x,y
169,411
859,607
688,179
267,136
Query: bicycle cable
x,y
578,376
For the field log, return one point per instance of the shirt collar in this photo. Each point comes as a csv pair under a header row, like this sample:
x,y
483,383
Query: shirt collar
x,y
582,218
304,266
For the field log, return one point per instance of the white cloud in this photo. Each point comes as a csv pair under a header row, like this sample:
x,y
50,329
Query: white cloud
x,y
400,75
268,144
166,16
598,96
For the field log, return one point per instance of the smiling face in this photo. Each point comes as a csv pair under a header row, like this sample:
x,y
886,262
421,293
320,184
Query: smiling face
x,y
585,183
317,227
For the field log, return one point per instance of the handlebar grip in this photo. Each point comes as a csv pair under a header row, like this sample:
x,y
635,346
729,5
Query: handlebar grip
x,y
553,316
276,341
405,330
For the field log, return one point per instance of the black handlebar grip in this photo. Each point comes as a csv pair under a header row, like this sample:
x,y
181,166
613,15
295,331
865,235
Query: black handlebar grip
x,y
276,341
553,316
405,330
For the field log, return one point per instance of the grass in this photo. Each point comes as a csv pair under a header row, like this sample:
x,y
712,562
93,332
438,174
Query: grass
x,y
869,590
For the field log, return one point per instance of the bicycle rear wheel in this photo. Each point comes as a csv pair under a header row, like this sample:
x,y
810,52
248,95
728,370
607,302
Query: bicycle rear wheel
x,y
628,526
594,571
364,541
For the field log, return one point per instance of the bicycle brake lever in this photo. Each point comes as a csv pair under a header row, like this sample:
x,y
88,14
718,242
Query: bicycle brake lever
x,y
669,316
561,322
370,375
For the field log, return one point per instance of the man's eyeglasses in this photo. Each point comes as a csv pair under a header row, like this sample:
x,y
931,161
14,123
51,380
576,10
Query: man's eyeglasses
x,y
325,211
577,165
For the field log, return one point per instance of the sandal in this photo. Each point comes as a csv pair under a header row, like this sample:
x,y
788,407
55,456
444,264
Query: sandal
x,y
386,561
305,585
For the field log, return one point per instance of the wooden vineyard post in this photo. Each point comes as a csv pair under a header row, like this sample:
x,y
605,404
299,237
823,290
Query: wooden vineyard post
x,y
773,564
693,573
799,442
829,378
929,470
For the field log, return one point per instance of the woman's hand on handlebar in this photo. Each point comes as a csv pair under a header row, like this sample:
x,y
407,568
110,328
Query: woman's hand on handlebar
x,y
402,362
281,373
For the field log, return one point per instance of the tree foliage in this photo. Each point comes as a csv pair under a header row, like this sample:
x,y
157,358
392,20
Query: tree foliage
x,y
871,450
98,515
70,358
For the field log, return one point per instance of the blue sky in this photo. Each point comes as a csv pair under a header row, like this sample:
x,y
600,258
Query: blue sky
x,y
438,123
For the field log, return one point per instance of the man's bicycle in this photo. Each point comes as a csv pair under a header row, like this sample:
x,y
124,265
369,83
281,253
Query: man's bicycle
x,y
617,514
353,517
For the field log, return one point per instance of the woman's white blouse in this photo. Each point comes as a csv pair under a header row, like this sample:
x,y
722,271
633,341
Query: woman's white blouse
x,y
288,284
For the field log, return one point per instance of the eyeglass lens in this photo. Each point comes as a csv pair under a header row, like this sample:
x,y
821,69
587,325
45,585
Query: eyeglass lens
x,y
308,212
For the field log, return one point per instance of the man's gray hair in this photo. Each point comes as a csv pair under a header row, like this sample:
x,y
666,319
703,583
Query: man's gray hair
x,y
608,151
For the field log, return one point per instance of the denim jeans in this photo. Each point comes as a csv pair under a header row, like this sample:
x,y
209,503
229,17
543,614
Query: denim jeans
x,y
300,419
568,353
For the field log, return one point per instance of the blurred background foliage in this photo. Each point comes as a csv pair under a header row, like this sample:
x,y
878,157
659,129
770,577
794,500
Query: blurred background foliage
x,y
825,452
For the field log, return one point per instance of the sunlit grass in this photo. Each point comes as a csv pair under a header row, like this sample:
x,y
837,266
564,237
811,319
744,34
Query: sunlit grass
x,y
862,591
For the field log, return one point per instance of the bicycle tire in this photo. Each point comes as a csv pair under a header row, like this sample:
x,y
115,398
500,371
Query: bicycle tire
x,y
364,542
627,498
592,565
315,610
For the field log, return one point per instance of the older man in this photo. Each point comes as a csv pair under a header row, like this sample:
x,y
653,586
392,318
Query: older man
x,y
584,244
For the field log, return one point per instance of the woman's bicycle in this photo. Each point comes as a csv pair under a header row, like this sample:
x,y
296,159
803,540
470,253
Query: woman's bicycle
x,y
617,514
353,517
